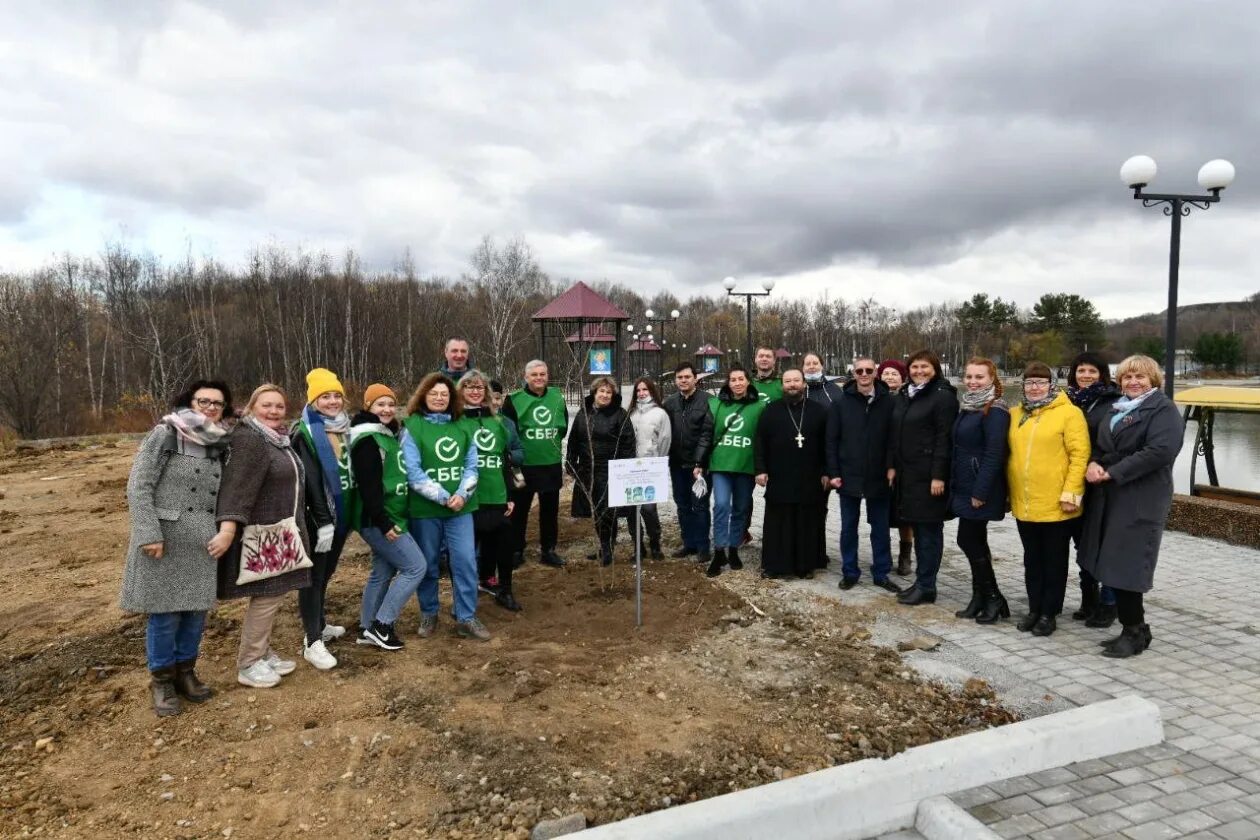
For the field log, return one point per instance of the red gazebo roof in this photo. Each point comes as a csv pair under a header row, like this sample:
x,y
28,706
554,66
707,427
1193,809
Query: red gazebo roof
x,y
592,333
580,302
709,350
645,345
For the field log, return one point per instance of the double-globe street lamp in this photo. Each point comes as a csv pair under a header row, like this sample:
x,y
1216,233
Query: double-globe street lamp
x,y
729,284
1214,176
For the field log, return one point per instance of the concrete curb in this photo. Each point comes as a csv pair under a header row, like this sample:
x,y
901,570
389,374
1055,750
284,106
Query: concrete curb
x,y
940,818
876,796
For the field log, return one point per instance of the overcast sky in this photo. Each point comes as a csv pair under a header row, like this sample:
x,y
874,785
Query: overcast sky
x,y
914,151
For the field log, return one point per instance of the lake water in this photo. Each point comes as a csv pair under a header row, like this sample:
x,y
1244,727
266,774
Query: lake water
x,y
1237,438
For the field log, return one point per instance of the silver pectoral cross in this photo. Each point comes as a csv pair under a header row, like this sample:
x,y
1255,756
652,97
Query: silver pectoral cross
x,y
800,441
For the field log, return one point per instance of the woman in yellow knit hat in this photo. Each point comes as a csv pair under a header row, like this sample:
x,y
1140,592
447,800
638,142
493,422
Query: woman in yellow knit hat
x,y
1049,443
321,440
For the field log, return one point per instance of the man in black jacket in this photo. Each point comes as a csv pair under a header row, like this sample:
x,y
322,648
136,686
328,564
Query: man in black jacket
x,y
691,425
857,459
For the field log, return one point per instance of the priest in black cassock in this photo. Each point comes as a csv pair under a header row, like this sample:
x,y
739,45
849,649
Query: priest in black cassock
x,y
788,456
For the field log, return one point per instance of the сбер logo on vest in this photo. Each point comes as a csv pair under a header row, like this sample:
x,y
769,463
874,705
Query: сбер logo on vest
x,y
542,415
484,438
734,422
447,448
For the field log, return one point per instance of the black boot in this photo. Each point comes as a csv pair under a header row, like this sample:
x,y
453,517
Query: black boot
x,y
518,559
606,555
903,557
1103,616
504,598
655,551
1089,601
914,596
188,686
977,596
1045,626
1027,622
550,558
1135,639
716,564
994,606
735,563
162,686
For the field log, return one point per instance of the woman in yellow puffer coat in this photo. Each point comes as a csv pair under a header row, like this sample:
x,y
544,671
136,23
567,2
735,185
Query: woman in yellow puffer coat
x,y
1049,452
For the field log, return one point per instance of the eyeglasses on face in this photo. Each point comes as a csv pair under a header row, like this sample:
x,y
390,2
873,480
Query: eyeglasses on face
x,y
204,403
474,387
1036,383
861,371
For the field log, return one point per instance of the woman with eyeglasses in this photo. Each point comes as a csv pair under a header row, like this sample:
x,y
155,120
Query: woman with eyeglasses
x,y
894,374
170,570
1049,444
920,446
1131,471
499,448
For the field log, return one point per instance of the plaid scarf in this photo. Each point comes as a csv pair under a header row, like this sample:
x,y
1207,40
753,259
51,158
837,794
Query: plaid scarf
x,y
193,427
277,439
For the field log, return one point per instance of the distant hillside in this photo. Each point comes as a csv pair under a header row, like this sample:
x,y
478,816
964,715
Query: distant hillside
x,y
1241,317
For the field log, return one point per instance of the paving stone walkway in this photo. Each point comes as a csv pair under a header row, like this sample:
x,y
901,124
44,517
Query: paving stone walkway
x,y
1203,670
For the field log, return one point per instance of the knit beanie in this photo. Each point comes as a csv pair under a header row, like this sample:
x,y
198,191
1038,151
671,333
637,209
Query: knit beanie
x,y
374,392
895,364
321,381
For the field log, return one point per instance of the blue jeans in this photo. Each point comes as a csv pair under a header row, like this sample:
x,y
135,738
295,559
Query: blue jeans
x,y
693,513
400,561
881,542
929,545
457,532
173,637
732,502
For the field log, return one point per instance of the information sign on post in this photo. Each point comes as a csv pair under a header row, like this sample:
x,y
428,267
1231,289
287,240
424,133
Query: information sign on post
x,y
634,482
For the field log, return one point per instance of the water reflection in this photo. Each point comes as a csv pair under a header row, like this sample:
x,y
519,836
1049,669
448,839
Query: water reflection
x,y
1237,454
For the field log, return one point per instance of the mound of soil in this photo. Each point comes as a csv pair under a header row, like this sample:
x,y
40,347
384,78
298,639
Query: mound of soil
x,y
728,684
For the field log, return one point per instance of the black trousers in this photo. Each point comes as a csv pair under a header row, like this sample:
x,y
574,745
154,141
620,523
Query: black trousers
x,y
311,599
495,543
1129,607
973,539
606,527
548,517
651,524
1046,547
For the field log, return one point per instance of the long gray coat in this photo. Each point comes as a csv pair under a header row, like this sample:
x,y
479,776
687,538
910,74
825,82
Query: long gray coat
x,y
1124,519
257,489
171,500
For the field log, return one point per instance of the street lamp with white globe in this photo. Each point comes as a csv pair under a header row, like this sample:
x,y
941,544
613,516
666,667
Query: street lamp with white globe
x,y
1215,175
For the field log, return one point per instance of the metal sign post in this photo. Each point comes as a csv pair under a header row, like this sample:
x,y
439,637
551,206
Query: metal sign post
x,y
634,482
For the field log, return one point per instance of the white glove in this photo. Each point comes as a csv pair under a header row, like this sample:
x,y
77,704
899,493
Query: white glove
x,y
324,538
699,487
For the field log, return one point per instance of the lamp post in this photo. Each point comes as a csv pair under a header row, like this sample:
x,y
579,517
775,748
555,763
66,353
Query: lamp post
x,y
729,284
1214,176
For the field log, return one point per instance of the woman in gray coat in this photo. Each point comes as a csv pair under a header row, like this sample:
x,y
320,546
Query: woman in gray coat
x,y
170,570
1124,521
262,485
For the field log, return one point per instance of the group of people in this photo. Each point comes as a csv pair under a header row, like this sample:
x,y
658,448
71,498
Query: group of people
x,y
258,506
1090,465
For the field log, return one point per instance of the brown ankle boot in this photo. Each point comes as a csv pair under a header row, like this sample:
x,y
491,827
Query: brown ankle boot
x,y
188,686
162,686
903,558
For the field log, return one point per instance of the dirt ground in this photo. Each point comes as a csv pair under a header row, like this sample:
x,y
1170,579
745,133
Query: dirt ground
x,y
729,684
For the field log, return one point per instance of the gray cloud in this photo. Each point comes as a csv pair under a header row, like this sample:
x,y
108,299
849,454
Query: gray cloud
x,y
681,141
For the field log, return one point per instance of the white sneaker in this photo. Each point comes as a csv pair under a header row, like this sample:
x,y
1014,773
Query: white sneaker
x,y
332,631
319,656
282,667
258,675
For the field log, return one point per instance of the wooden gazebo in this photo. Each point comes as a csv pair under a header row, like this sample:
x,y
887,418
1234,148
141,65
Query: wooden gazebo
x,y
577,337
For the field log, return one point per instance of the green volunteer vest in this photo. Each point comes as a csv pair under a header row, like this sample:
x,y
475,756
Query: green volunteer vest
x,y
349,498
734,425
540,421
490,437
442,450
768,389
393,475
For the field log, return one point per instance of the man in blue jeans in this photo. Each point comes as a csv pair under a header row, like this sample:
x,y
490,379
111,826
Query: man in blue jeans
x,y
857,459
691,441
